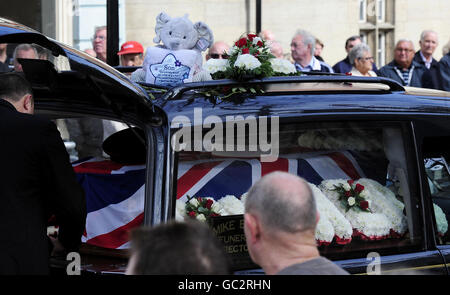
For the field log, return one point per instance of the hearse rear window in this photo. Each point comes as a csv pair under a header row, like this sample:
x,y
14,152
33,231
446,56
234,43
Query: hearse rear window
x,y
358,173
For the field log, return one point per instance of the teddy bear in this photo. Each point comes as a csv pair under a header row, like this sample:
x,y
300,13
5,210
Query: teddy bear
x,y
178,59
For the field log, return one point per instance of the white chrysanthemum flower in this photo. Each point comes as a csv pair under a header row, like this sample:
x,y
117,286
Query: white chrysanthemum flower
x,y
213,65
382,200
327,210
441,220
324,230
283,66
231,205
243,198
247,61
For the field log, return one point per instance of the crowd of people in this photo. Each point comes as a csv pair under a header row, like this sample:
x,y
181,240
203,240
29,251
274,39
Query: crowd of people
x,y
408,67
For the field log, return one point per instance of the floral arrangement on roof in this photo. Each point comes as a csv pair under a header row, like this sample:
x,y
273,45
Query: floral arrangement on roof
x,y
249,58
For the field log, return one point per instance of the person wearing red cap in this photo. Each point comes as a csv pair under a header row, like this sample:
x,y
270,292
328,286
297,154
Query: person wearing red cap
x,y
131,54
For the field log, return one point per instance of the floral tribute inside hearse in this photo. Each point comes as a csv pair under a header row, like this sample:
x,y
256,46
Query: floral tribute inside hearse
x,y
355,176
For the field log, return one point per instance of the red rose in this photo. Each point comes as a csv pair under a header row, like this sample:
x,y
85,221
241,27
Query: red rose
x,y
209,203
245,51
359,188
260,44
364,205
350,181
192,214
348,194
241,42
251,36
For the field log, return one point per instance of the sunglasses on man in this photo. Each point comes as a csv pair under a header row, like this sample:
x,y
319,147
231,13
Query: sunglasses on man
x,y
216,55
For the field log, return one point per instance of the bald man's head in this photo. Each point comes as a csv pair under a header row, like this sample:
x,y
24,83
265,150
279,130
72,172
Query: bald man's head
x,y
219,50
283,202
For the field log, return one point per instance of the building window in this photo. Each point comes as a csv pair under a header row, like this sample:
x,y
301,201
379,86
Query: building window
x,y
381,50
362,10
381,10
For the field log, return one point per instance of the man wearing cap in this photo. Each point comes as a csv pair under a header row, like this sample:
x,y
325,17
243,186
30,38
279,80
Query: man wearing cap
x,y
131,54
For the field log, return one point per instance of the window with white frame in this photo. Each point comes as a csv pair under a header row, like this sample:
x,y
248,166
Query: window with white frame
x,y
381,10
381,50
362,10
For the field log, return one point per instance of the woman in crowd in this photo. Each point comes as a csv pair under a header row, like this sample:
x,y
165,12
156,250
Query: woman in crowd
x,y
361,60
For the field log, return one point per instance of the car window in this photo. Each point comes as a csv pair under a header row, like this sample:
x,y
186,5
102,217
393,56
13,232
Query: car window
x,y
108,158
369,160
60,63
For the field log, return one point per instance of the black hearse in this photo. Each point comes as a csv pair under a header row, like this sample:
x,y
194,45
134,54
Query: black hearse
x,y
322,127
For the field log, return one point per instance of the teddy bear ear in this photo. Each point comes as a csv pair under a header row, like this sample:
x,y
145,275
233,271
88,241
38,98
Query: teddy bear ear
x,y
161,20
204,34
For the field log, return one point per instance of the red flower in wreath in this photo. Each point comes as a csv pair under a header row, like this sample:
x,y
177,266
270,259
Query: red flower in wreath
x,y
241,42
251,36
260,44
245,51
209,203
359,188
192,214
364,205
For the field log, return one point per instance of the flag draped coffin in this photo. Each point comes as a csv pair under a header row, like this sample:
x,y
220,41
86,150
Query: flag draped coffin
x,y
115,192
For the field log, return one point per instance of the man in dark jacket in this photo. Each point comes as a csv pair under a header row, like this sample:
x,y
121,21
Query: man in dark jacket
x,y
344,66
404,70
428,43
444,67
37,182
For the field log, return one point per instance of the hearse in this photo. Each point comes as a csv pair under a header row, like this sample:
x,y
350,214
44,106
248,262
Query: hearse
x,y
142,151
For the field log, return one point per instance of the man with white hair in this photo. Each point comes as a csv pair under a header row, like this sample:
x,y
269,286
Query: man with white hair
x,y
404,69
428,44
303,46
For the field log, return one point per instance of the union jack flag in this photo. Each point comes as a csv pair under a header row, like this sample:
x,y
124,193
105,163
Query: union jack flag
x,y
115,192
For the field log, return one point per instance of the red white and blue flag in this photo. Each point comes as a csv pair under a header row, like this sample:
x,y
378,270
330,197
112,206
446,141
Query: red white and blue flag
x,y
220,177
115,192
114,200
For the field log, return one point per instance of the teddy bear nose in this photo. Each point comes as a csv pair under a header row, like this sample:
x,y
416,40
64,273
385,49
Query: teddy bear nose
x,y
175,44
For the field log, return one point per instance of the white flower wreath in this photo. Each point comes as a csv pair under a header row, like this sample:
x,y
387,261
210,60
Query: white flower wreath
x,y
366,224
340,227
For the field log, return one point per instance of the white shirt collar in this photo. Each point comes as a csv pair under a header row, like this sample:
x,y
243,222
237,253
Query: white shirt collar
x,y
427,63
314,65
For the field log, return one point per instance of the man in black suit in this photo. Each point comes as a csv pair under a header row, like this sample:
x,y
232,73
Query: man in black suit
x,y
36,182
